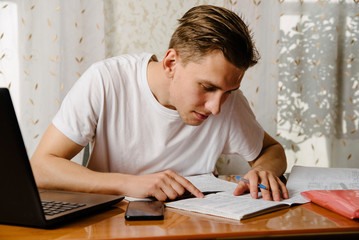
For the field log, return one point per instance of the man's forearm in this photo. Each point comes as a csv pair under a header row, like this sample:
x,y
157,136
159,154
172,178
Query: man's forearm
x,y
272,158
59,173
62,174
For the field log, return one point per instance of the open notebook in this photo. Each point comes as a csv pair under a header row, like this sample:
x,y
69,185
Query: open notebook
x,y
21,202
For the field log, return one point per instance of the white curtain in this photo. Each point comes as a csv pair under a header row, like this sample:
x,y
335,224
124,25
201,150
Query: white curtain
x,y
44,47
305,90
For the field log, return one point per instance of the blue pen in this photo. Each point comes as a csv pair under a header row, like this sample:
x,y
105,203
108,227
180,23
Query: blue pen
x,y
246,181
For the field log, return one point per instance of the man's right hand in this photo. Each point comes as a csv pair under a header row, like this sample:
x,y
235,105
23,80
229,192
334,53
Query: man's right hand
x,y
53,170
162,185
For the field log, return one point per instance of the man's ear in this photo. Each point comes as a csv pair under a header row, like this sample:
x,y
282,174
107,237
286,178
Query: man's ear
x,y
169,62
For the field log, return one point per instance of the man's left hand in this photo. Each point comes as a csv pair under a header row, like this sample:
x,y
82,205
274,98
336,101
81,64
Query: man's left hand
x,y
276,189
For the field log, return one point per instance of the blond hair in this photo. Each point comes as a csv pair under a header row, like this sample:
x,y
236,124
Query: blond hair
x,y
206,28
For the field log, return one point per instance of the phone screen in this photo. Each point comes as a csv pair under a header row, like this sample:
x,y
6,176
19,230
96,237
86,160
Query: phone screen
x,y
144,210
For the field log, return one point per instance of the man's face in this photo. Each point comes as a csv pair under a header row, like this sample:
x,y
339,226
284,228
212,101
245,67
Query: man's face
x,y
199,89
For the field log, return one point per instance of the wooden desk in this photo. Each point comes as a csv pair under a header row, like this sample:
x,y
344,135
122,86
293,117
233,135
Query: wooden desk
x,y
298,222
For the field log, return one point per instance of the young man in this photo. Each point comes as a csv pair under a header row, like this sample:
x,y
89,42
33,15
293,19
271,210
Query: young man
x,y
150,123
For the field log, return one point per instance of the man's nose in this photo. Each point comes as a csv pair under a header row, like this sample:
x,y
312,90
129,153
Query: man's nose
x,y
214,104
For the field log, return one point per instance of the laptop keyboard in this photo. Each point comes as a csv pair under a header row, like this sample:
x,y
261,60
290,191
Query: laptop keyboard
x,y
55,207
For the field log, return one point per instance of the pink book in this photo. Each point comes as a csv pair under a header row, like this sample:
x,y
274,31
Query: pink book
x,y
344,202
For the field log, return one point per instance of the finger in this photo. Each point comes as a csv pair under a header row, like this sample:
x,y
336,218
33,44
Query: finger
x,y
241,188
170,190
159,186
266,193
169,185
188,186
275,189
176,189
160,195
278,189
270,181
159,190
253,186
284,189
272,192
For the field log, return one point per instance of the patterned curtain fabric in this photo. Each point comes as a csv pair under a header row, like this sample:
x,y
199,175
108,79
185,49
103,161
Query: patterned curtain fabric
x,y
45,46
305,89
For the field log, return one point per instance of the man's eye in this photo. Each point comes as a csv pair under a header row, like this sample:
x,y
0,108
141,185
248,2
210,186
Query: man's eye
x,y
208,88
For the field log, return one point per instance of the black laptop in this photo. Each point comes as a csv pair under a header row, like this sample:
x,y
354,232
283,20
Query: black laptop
x,y
21,202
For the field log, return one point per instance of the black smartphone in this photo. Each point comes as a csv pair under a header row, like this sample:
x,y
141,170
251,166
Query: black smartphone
x,y
144,210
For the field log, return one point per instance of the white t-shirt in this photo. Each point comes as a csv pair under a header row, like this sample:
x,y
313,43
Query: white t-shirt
x,y
112,106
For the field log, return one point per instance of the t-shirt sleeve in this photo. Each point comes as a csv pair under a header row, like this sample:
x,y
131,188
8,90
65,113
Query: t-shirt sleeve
x,y
245,137
78,115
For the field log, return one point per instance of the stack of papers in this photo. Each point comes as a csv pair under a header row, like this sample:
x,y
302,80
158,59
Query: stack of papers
x,y
225,204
